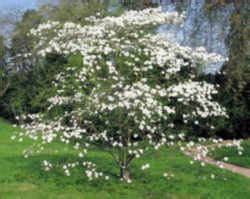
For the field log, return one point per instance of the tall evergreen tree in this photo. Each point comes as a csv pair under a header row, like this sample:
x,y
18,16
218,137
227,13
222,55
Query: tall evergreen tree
x,y
236,72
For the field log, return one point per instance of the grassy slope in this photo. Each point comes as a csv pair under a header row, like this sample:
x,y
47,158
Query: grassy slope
x,y
232,153
23,178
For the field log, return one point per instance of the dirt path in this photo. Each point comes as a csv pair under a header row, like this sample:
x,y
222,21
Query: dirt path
x,y
233,168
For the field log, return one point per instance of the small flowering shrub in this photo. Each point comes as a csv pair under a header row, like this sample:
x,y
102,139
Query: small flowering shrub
x,y
123,90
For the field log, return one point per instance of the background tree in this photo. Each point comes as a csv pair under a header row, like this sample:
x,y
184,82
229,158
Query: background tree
x,y
31,78
235,78
3,78
138,4
74,11
2,51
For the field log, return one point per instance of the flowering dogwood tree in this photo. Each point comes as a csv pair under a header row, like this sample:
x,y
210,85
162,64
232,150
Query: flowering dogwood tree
x,y
125,94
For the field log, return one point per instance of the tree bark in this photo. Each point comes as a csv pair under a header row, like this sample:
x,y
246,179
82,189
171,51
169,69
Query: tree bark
x,y
125,173
2,92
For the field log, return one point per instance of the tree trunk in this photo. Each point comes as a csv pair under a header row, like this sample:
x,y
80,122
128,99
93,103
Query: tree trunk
x,y
3,90
125,173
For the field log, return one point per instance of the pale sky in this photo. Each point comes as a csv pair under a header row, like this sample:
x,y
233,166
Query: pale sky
x,y
6,5
23,4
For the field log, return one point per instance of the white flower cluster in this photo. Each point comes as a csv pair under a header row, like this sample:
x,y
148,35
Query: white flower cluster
x,y
168,176
91,171
145,17
145,166
126,92
200,93
47,165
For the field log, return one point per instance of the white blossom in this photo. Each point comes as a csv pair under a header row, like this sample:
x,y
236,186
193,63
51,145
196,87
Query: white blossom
x,y
127,92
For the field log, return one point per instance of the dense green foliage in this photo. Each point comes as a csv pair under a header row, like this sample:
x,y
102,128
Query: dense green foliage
x,y
30,81
138,4
74,11
235,78
3,78
28,92
26,179
2,48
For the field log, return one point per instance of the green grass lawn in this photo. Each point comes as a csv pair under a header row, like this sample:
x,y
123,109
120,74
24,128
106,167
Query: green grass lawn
x,y
24,178
233,156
